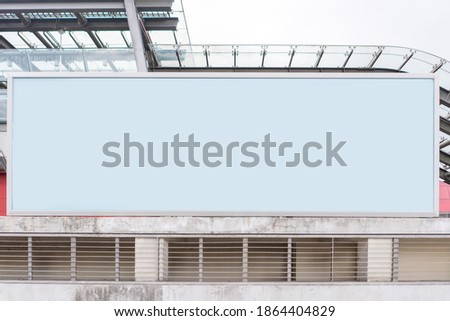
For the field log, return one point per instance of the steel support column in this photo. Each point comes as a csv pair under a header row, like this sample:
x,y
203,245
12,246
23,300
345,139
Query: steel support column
x,y
136,36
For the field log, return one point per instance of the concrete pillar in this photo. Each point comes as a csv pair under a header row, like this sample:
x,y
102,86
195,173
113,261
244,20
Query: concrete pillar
x,y
146,259
375,260
163,261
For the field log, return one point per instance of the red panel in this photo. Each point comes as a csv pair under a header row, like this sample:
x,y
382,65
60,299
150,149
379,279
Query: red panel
x,y
444,196
2,194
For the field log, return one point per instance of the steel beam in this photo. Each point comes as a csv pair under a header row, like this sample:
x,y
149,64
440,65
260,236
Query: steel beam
x,y
349,55
42,39
136,35
444,175
438,66
82,5
75,40
444,158
24,19
319,57
147,41
445,126
26,41
407,58
444,144
125,39
444,97
59,6
5,44
82,21
291,56
99,24
154,5
375,57
96,40
52,40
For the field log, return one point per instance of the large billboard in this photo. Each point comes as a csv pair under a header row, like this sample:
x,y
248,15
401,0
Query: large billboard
x,y
222,144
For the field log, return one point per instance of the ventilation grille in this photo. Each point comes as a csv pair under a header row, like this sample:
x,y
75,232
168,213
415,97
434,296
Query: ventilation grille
x,y
222,259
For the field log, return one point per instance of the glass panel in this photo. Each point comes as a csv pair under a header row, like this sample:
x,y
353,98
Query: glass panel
x,y
192,56
13,60
70,60
32,39
421,62
305,56
177,5
221,56
249,56
162,37
444,111
182,33
277,56
444,76
112,39
361,57
48,60
124,60
78,60
98,62
14,39
84,39
392,58
334,56
166,55
110,60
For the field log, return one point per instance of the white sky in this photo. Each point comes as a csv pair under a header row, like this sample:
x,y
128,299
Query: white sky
x,y
423,25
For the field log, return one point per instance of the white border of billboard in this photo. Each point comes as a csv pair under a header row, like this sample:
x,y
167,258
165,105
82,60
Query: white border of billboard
x,y
212,75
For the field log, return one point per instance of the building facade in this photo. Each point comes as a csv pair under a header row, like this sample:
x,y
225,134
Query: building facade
x,y
193,257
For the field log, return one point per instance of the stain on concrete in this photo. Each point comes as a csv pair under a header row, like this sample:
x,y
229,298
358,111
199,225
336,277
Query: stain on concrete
x,y
118,293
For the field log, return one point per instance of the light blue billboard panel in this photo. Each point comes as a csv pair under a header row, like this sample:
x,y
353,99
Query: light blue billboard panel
x,y
222,144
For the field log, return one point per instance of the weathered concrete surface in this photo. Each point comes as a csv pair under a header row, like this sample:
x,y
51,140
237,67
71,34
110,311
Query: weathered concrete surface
x,y
226,225
221,292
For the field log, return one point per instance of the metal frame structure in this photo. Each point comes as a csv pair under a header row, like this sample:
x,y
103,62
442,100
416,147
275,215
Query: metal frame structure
x,y
42,18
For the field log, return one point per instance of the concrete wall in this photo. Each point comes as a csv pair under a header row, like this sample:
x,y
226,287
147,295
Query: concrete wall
x,y
309,226
220,292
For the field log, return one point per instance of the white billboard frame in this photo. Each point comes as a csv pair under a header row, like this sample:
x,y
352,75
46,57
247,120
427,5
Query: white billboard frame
x,y
213,75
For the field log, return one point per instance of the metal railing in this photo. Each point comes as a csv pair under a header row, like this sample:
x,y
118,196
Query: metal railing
x,y
224,259
70,60
301,57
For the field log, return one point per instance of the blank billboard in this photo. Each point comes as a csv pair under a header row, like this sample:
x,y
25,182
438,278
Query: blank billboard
x,y
222,144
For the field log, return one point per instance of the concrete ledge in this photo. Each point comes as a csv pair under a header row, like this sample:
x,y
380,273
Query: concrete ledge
x,y
221,292
226,225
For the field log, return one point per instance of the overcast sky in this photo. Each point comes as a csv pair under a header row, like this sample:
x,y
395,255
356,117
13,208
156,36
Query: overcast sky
x,y
411,23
